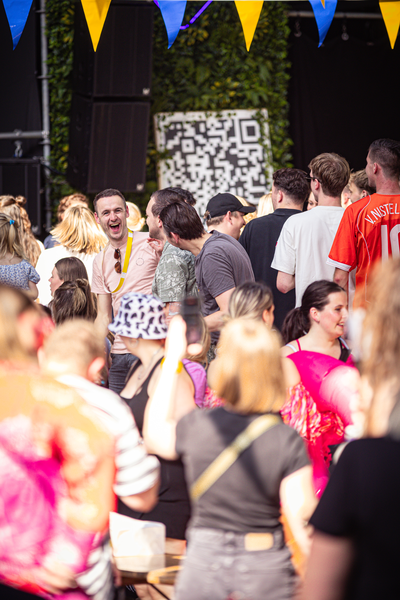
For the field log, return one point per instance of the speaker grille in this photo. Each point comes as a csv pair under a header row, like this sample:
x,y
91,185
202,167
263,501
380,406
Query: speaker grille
x,y
118,146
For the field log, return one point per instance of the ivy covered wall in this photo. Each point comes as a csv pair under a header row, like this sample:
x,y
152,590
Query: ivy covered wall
x,y
60,36
207,68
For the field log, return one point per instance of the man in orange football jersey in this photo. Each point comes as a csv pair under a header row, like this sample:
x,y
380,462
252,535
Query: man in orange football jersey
x,y
369,230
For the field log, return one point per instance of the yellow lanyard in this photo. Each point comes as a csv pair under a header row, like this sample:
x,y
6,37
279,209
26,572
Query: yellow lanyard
x,y
126,261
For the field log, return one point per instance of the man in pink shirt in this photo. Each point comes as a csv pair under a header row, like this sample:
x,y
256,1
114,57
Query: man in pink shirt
x,y
127,264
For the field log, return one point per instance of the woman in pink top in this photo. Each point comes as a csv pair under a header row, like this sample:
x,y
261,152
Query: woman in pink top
x,y
324,363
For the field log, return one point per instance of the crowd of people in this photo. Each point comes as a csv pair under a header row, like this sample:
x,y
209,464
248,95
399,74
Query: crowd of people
x,y
204,375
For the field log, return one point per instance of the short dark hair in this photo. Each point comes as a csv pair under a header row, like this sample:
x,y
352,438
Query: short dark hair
x,y
107,194
386,153
294,183
332,171
186,195
182,219
163,198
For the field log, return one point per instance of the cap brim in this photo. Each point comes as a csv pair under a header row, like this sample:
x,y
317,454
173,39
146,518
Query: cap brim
x,y
247,209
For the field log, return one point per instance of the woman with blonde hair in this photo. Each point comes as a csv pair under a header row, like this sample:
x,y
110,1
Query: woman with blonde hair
x,y
15,208
357,523
135,220
78,235
15,270
196,364
241,465
249,216
265,206
252,300
319,426
76,199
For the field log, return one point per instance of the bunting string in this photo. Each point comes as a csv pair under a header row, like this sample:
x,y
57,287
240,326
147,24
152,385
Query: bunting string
x,y
173,11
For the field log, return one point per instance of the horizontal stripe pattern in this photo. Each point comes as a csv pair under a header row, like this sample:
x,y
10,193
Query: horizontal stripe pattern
x,y
136,472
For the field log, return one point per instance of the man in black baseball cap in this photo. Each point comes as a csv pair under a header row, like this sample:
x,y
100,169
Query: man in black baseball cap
x,y
224,213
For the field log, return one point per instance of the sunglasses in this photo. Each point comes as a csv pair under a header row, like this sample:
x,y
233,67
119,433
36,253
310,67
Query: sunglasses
x,y
117,256
312,179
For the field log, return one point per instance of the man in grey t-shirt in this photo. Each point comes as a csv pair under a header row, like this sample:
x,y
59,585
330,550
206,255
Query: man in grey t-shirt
x,y
221,263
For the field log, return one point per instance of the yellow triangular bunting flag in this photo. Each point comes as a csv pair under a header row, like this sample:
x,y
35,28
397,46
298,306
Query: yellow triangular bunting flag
x,y
95,13
391,15
323,3
249,13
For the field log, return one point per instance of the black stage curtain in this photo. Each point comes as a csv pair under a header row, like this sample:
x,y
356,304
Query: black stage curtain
x,y
342,96
20,88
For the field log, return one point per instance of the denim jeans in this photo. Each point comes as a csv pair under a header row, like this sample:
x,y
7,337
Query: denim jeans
x,y
218,566
120,365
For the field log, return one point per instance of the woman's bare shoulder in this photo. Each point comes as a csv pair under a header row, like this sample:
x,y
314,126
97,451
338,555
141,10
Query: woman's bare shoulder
x,y
290,348
290,372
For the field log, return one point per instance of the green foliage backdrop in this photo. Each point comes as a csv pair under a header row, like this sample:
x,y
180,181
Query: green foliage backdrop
x,y
207,68
60,35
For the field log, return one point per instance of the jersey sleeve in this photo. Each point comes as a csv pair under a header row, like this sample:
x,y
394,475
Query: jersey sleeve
x,y
285,254
98,284
343,251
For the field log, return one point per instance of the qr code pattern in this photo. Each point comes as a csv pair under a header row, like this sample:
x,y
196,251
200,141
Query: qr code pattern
x,y
212,153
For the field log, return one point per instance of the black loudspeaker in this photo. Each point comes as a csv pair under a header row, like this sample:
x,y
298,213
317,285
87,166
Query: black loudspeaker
x,y
108,142
121,66
111,106
22,177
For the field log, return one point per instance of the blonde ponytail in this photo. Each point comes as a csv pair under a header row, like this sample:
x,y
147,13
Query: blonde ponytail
x,y
9,237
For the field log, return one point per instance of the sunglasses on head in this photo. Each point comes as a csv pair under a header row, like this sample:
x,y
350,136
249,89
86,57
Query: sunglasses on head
x,y
117,256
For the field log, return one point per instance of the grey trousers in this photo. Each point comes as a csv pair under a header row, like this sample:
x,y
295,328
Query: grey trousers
x,y
218,567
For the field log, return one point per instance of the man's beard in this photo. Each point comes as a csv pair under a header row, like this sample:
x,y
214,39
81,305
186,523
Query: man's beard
x,y
157,234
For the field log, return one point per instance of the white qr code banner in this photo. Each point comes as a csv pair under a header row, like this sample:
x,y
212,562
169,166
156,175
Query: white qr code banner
x,y
213,152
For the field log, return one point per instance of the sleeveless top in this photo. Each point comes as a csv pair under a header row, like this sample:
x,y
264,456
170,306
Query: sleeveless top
x,y
345,351
173,508
324,377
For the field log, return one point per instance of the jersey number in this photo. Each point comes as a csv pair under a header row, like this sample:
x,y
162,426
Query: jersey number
x,y
394,241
